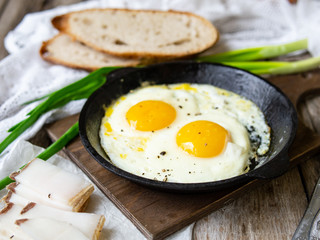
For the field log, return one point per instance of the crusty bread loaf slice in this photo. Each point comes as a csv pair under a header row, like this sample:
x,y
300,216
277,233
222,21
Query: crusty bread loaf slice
x,y
61,49
139,33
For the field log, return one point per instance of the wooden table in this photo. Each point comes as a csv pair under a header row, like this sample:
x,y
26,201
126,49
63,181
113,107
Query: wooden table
x,y
271,211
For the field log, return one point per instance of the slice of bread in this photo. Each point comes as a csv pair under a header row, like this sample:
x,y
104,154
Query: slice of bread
x,y
63,50
139,33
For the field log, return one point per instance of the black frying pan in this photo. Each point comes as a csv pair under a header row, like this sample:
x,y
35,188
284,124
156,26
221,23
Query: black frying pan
x,y
277,108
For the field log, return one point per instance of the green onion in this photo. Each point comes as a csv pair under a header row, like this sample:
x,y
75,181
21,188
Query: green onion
x,y
245,59
266,67
256,53
35,100
253,66
55,147
293,67
79,90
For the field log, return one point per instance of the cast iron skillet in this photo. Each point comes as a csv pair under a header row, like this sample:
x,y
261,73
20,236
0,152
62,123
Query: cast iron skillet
x,y
277,108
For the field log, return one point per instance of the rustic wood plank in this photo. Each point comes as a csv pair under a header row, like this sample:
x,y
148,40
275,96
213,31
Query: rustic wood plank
x,y
41,139
310,173
313,107
269,212
309,107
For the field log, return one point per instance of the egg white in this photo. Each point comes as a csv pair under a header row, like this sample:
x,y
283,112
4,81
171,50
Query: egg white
x,y
177,99
156,155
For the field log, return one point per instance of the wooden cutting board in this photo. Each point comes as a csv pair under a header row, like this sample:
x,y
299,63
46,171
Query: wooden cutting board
x,y
158,214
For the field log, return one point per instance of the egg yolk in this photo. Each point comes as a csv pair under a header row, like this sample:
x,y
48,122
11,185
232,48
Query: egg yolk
x,y
150,115
202,138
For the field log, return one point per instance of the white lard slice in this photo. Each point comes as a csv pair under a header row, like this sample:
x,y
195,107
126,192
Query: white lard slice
x,y
52,185
49,229
8,228
89,224
33,196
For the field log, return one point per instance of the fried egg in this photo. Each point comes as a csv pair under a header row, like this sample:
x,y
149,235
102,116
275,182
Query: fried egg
x,y
184,133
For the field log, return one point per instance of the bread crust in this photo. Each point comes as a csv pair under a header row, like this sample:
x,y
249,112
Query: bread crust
x,y
62,23
45,55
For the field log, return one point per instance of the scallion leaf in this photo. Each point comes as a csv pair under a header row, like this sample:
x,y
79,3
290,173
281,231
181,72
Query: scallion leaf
x,y
256,53
266,67
292,67
252,66
79,90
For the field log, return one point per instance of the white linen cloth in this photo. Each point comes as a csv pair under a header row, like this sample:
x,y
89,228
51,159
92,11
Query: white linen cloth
x,y
25,76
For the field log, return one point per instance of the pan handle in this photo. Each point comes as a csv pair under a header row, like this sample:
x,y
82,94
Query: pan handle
x,y
272,169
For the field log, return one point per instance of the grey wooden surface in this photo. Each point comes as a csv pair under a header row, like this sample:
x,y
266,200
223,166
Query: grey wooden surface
x,y
272,211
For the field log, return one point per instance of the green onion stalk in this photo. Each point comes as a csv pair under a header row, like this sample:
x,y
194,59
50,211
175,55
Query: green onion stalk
x,y
81,89
291,67
277,68
247,59
256,53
